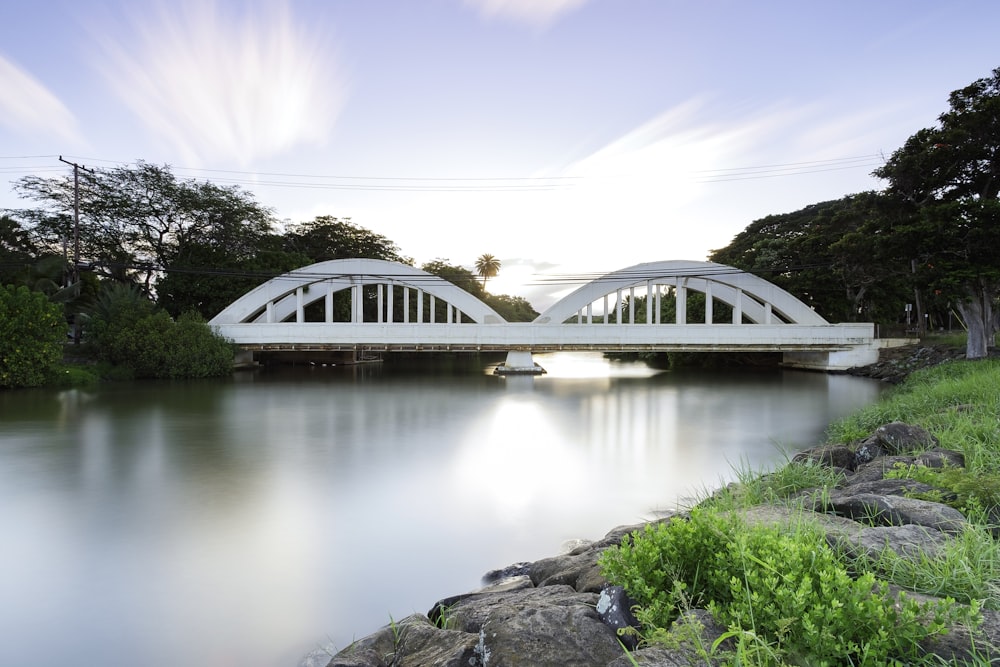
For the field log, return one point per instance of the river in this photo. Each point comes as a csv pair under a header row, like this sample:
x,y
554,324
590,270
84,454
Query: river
x,y
246,521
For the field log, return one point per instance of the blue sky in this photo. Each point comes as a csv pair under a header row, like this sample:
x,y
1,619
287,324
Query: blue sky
x,y
564,137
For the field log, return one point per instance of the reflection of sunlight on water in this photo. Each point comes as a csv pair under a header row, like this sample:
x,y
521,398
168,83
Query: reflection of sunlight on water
x,y
589,365
515,458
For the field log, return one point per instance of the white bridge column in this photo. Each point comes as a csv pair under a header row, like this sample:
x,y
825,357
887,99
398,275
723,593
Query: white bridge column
x,y
388,303
708,303
519,362
680,305
357,304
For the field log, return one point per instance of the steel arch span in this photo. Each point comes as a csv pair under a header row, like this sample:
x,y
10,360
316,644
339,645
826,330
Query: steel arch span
x,y
756,299
285,297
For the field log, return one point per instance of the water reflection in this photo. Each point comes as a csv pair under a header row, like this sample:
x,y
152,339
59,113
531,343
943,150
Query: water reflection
x,y
243,521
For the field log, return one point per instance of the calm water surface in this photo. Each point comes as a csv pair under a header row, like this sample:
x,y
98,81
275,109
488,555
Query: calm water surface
x,y
245,522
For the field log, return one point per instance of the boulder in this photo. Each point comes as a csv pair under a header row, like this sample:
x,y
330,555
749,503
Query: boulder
x,y
694,634
879,509
900,438
412,642
831,456
542,627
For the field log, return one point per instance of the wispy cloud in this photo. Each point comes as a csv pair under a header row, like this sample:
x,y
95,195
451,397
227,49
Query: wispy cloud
x,y
28,106
219,84
536,13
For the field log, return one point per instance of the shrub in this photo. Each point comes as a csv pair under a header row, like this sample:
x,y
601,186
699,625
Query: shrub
x,y
129,331
32,332
784,587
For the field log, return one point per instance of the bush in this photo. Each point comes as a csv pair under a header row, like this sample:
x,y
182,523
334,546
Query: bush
x,y
785,589
32,332
128,330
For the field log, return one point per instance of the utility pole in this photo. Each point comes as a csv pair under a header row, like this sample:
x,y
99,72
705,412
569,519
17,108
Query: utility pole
x,y
75,271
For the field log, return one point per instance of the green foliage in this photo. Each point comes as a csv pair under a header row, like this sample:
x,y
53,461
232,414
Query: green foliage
x,y
965,490
16,251
966,567
487,266
128,330
135,218
511,308
205,278
70,377
757,487
32,332
944,190
784,588
823,255
326,237
957,401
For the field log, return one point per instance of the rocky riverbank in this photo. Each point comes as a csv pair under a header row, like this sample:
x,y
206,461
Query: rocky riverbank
x,y
896,363
561,610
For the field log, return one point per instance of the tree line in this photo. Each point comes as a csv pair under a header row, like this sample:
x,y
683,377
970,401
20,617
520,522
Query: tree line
x,y
923,251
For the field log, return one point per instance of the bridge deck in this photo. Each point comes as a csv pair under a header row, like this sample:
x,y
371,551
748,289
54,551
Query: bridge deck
x,y
307,336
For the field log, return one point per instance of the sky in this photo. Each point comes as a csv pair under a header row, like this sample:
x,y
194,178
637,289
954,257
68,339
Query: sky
x,y
567,138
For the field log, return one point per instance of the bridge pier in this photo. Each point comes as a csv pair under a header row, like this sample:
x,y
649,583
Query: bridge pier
x,y
838,360
519,362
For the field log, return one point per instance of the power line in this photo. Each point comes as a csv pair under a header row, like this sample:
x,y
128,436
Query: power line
x,y
473,184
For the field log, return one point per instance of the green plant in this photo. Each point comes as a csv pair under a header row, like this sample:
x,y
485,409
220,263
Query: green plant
x,y
961,488
129,331
755,487
32,331
781,591
74,377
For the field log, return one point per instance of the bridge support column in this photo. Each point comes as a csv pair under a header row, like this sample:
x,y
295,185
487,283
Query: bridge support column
x,y
839,360
519,362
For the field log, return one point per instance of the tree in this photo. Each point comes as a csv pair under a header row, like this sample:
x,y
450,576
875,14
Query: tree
x,y
487,266
944,185
135,221
326,237
32,331
511,308
824,254
456,275
17,252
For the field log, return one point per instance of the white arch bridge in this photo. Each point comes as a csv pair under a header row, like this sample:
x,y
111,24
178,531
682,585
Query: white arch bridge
x,y
369,306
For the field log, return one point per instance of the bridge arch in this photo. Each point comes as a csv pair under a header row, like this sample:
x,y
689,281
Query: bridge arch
x,y
750,297
285,297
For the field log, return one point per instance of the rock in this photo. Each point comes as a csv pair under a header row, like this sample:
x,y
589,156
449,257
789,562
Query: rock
x,y
887,510
963,645
514,570
900,438
694,633
831,456
541,627
614,607
942,458
876,469
910,541
868,450
412,642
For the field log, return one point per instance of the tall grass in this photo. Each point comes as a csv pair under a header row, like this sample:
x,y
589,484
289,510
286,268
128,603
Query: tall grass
x,y
959,402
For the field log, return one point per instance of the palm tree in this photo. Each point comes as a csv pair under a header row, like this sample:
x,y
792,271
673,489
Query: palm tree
x,y
487,266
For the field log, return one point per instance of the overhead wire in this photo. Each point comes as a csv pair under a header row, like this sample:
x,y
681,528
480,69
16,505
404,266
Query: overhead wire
x,y
460,184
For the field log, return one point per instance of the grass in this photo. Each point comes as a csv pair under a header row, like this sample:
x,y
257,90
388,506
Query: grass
x,y
958,402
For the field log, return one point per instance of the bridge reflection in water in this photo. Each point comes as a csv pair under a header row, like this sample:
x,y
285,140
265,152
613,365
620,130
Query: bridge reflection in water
x,y
395,307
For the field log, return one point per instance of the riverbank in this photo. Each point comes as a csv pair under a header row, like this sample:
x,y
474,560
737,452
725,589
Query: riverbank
x,y
867,492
